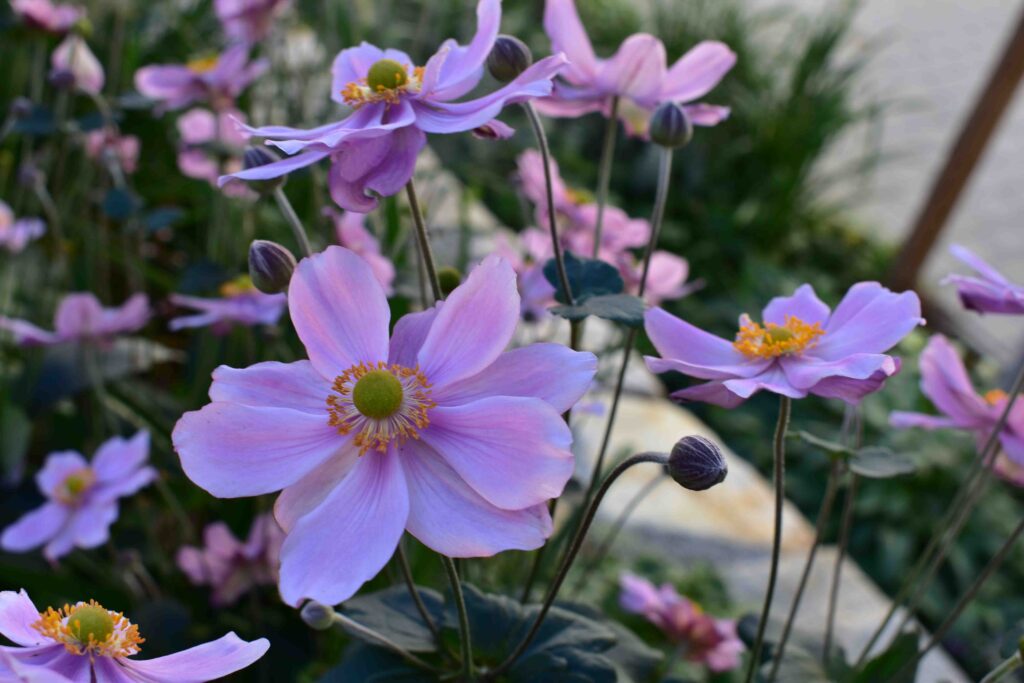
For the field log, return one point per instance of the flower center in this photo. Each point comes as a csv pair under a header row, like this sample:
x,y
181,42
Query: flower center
x,y
89,628
994,396
386,81
773,340
203,64
386,74
237,287
380,403
75,485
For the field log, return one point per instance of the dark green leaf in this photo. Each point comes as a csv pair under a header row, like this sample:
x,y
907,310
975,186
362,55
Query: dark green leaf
x,y
393,613
891,662
374,665
40,121
620,308
120,204
587,278
162,217
798,666
880,463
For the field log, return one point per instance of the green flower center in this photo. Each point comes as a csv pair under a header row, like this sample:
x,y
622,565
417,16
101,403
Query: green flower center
x,y
90,623
779,334
386,74
378,394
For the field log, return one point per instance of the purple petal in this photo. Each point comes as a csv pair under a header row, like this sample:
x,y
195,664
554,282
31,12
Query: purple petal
x,y
17,614
381,165
804,304
852,390
706,114
305,495
557,105
27,334
692,351
945,382
117,457
714,393
462,67
904,420
409,334
869,319
638,595
205,662
339,311
494,130
175,85
698,71
552,372
127,484
773,379
474,326
57,468
233,450
78,315
275,169
980,265
636,71
344,542
49,664
513,451
271,384
562,24
35,528
803,372
90,525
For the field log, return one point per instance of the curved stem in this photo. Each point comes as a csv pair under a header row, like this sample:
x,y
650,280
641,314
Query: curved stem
x,y
570,555
556,245
423,240
293,221
460,605
1001,671
837,571
379,638
604,173
779,457
403,564
658,216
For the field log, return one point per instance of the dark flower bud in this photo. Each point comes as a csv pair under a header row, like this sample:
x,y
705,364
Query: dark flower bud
x,y
509,57
449,278
317,616
261,156
62,79
21,108
697,463
670,126
270,266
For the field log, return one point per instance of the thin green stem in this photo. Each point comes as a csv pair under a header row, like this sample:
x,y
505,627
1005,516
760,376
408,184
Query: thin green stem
x,y
460,605
779,457
423,240
837,570
367,633
658,216
1003,670
293,221
403,564
604,172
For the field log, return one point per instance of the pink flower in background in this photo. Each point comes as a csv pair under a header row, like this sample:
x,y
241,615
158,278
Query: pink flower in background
x,y
15,234
46,16
702,638
86,642
436,431
989,291
248,20
801,348
216,81
373,150
81,318
351,233
527,255
74,57
944,380
123,148
637,74
206,139
240,304
230,567
81,497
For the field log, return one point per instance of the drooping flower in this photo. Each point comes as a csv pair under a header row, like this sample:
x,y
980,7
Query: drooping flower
x,y
81,497
87,642
211,143
248,20
395,104
637,74
44,15
701,637
82,318
124,149
232,568
73,57
350,230
436,432
944,380
15,234
989,291
216,81
800,348
240,304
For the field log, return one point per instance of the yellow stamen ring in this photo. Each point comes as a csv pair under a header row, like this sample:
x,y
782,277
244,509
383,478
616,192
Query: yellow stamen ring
x,y
773,340
88,628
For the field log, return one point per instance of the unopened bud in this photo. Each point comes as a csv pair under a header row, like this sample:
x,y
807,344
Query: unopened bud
x,y
62,79
697,463
449,278
670,126
317,616
255,157
270,266
509,57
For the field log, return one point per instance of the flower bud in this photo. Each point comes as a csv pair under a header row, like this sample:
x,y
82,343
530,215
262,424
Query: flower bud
x,y
697,463
74,57
270,266
317,616
670,126
261,156
449,278
509,57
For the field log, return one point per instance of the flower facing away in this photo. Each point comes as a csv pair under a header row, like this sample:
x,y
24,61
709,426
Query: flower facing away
x,y
436,432
702,638
210,144
637,74
87,642
394,105
15,234
240,304
232,568
73,58
800,348
122,149
216,80
81,497
351,233
248,20
46,16
989,291
82,318
944,380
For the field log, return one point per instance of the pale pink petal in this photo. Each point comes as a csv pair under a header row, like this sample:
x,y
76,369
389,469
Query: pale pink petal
x,y
698,71
306,494
692,351
57,468
637,70
804,304
297,386
118,457
869,319
562,24
35,528
17,614
198,664
409,334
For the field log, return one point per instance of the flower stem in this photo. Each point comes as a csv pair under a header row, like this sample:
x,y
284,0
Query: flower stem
x,y
293,221
819,528
1004,669
379,638
403,564
570,556
837,571
423,239
779,457
556,245
604,173
460,605
658,216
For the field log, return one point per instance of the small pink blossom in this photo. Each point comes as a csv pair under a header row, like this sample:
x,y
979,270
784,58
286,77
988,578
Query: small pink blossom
x,y
351,233
15,234
74,57
216,81
241,304
124,149
46,16
248,20
212,144
82,318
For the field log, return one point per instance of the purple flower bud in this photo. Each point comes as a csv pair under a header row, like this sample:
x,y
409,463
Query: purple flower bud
x,y
509,58
62,79
670,126
317,616
261,156
270,266
697,463
449,278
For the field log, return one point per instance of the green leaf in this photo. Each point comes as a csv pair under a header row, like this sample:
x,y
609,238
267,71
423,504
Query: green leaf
x,y
393,613
15,432
798,666
367,664
620,308
880,463
891,662
587,278
823,444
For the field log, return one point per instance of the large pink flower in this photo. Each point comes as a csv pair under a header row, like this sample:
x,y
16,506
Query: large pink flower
x,y
435,432
82,318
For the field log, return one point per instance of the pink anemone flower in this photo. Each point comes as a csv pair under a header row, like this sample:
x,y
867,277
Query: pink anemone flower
x,y
217,81
46,16
248,20
989,291
82,318
15,234
637,74
801,348
210,144
351,233
106,142
436,432
395,104
87,642
81,497
240,304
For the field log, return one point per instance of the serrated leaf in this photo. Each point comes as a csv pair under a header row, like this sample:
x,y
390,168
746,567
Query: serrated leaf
x,y
587,278
880,463
625,309
393,613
